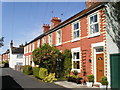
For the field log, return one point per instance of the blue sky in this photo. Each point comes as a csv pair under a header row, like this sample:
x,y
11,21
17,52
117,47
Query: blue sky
x,y
22,21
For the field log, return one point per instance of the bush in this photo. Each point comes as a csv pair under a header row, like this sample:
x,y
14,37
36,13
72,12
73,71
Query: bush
x,y
43,72
91,78
67,62
104,81
36,71
50,78
75,72
74,78
27,69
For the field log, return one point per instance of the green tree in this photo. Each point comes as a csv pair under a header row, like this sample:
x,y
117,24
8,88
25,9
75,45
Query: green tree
x,y
46,56
67,62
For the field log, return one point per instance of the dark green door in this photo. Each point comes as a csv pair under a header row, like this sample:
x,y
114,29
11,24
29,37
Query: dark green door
x,y
115,70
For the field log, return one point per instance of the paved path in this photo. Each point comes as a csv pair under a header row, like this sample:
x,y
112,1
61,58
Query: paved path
x,y
15,79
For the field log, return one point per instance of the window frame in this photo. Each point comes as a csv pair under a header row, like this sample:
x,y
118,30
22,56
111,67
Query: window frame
x,y
44,40
74,50
38,43
73,37
58,42
50,39
19,56
90,24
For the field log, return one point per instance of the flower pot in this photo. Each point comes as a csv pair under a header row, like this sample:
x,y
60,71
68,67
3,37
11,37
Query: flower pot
x,y
103,87
89,84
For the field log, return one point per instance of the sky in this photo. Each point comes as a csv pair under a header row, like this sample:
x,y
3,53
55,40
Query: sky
x,y
23,21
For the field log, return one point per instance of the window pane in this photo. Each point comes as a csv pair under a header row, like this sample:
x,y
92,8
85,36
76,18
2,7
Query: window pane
x,y
91,29
95,18
78,33
76,65
76,26
91,20
75,35
77,54
59,36
96,28
74,55
100,49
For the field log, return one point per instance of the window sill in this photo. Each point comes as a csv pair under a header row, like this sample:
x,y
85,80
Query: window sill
x,y
78,70
76,39
58,44
94,35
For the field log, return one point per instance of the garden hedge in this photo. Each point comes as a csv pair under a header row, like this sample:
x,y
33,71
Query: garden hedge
x,y
36,71
27,69
43,72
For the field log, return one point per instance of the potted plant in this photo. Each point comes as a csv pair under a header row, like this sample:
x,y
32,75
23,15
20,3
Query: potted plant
x,y
91,80
104,82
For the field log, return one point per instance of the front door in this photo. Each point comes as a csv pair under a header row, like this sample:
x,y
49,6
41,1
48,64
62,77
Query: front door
x,y
99,66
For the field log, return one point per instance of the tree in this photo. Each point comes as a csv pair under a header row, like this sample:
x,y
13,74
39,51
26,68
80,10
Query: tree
x,y
67,61
46,56
1,41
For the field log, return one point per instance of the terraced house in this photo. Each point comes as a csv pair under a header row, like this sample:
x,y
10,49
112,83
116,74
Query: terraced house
x,y
85,35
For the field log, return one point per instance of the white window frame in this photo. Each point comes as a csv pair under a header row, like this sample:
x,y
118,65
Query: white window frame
x,y
27,48
44,40
73,50
73,37
19,56
30,47
38,43
58,36
50,39
90,24
33,46
25,51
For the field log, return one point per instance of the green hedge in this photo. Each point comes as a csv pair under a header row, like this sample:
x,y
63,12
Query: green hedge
x,y
27,69
43,73
36,71
50,78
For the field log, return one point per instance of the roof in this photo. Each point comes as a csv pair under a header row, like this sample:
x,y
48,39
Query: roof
x,y
17,50
71,19
7,52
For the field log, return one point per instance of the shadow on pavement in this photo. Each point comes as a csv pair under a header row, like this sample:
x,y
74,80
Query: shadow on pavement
x,y
8,82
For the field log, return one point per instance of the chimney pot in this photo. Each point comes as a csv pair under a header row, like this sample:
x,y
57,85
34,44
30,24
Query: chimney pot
x,y
46,27
55,21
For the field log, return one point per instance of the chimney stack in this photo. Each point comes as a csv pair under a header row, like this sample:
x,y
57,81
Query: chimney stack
x,y
89,3
55,21
11,44
46,27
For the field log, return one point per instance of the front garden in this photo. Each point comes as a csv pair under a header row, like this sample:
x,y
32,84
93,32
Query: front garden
x,y
52,65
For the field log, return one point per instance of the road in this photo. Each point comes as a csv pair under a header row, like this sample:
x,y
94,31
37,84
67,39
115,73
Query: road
x,y
15,79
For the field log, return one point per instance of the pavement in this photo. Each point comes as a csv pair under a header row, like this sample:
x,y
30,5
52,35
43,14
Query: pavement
x,y
16,79
70,84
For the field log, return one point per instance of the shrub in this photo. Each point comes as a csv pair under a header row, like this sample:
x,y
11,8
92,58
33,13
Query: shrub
x,y
104,81
43,72
27,69
75,72
4,62
36,71
91,78
46,56
50,78
67,62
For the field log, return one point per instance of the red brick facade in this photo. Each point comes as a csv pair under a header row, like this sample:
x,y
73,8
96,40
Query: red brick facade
x,y
85,41
5,56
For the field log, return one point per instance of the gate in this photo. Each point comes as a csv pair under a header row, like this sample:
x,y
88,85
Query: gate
x,y
115,70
